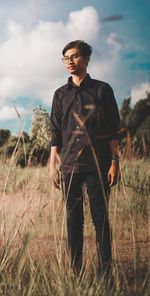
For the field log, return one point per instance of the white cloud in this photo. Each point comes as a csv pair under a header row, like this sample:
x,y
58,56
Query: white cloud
x,y
84,23
30,59
11,113
115,41
139,91
103,69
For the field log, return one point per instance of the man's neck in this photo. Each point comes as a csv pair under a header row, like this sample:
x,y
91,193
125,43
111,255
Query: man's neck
x,y
78,79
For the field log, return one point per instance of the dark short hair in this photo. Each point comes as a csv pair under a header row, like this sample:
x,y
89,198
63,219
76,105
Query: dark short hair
x,y
85,49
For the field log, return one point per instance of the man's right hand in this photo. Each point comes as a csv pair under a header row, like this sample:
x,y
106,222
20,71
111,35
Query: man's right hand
x,y
54,177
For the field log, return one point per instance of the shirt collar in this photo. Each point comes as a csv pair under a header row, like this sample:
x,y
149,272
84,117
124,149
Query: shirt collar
x,y
85,82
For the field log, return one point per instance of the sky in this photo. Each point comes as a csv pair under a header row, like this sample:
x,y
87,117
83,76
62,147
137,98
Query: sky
x,y
33,34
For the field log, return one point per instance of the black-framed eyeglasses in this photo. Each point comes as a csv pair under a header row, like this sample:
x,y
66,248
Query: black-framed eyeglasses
x,y
72,58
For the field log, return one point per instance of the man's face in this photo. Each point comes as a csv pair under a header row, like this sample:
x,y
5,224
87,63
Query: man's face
x,y
74,62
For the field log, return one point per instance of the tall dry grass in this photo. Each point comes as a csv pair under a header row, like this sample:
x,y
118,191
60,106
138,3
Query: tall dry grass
x,y
33,256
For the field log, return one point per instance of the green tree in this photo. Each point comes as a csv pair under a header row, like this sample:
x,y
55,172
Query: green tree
x,y
40,136
125,111
142,138
18,147
145,128
4,136
137,115
136,121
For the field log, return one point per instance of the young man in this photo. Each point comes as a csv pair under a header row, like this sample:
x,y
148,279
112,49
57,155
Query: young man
x,y
84,125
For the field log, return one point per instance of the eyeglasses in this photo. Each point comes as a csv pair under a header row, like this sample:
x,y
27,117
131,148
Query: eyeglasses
x,y
72,58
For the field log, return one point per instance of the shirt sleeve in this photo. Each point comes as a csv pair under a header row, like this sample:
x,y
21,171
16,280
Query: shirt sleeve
x,y
56,138
111,112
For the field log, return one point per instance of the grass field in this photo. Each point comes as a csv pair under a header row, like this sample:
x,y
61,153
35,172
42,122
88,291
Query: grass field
x,y
33,257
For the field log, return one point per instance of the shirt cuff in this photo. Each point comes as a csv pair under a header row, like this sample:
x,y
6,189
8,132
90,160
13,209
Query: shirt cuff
x,y
56,141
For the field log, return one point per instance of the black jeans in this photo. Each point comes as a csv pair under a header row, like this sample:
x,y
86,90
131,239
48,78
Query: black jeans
x,y
75,218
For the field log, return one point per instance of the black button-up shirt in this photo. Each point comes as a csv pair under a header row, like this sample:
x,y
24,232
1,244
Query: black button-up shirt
x,y
84,118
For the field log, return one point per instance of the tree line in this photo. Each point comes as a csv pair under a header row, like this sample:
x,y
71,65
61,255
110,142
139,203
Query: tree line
x,y
34,148
136,122
28,149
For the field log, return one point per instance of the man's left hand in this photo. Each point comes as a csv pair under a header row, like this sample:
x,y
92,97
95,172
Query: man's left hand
x,y
114,174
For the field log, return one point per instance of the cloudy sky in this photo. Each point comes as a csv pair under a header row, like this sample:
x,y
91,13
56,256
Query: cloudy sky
x,y
34,32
